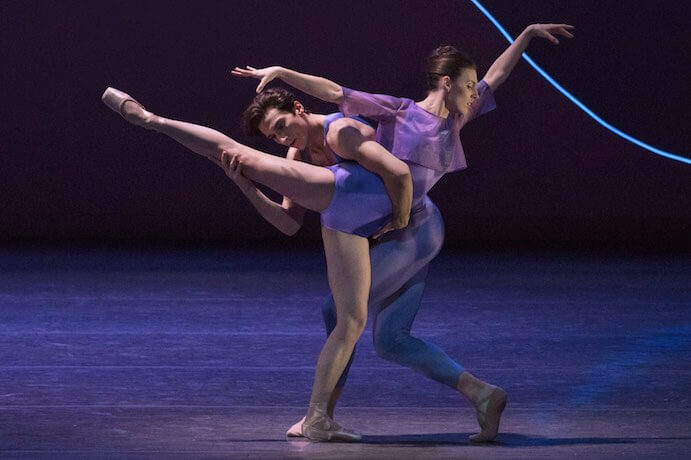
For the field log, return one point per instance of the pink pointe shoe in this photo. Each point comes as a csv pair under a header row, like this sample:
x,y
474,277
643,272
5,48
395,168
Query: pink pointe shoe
x,y
116,99
295,431
322,428
489,416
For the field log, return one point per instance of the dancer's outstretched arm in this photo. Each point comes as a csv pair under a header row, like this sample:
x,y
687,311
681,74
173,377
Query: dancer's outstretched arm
x,y
287,216
318,87
504,64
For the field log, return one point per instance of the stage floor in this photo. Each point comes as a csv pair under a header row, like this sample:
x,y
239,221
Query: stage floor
x,y
149,353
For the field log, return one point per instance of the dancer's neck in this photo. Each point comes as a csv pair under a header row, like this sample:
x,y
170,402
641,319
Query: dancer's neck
x,y
434,104
316,143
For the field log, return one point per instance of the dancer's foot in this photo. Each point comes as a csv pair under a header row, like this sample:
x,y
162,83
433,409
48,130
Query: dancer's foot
x,y
295,431
488,412
129,108
318,426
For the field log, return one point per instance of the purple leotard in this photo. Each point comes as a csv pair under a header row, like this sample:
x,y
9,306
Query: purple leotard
x,y
360,203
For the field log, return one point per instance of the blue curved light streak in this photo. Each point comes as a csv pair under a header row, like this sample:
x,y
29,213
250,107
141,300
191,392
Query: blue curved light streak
x,y
578,103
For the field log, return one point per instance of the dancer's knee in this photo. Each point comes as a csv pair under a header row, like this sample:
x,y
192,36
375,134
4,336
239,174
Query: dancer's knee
x,y
244,156
228,146
351,327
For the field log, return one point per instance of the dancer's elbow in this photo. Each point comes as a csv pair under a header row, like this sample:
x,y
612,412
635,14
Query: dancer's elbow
x,y
401,173
335,94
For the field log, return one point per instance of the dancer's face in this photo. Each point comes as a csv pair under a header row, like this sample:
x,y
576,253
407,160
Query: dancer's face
x,y
461,92
286,128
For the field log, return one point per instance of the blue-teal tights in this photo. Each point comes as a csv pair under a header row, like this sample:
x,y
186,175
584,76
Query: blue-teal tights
x,y
399,270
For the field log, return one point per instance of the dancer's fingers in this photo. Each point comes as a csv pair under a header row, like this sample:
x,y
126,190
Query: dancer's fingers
x,y
551,38
225,159
262,84
250,67
564,33
561,29
241,72
232,167
382,231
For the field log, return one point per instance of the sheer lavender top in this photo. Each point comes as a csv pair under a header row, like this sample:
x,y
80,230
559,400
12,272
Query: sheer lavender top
x,y
411,133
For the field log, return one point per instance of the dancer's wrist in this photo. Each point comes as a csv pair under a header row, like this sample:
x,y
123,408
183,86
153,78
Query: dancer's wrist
x,y
529,32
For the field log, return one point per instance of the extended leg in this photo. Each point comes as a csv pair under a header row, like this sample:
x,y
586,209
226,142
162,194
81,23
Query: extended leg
x,y
310,186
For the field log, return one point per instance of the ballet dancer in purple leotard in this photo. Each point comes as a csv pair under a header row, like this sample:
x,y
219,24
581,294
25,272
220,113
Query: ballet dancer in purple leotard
x,y
424,133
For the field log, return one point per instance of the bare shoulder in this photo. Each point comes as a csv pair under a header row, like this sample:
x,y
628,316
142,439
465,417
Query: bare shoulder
x,y
348,129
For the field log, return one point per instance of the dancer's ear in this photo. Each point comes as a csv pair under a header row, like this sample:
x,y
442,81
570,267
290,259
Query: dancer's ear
x,y
444,83
298,108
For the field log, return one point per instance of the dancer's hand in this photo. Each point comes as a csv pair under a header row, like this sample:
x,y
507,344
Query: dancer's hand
x,y
233,168
548,31
383,231
263,75
395,224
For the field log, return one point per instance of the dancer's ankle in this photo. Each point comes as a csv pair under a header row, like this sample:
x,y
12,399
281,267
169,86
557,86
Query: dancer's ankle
x,y
138,115
473,388
320,408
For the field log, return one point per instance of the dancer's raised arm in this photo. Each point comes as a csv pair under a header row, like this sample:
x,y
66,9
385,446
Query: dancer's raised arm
x,y
318,87
504,64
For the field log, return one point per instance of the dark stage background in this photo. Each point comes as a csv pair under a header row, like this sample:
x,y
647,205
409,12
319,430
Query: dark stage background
x,y
541,172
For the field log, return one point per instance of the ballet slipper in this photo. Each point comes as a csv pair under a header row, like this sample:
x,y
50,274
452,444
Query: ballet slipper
x,y
116,99
295,431
488,413
322,428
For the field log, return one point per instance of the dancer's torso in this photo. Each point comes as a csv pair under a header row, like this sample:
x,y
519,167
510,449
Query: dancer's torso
x,y
361,204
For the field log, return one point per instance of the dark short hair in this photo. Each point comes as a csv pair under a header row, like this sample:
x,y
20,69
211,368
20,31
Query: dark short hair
x,y
446,60
277,98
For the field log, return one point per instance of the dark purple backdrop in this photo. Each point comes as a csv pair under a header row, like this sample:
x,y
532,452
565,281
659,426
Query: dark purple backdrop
x,y
539,168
